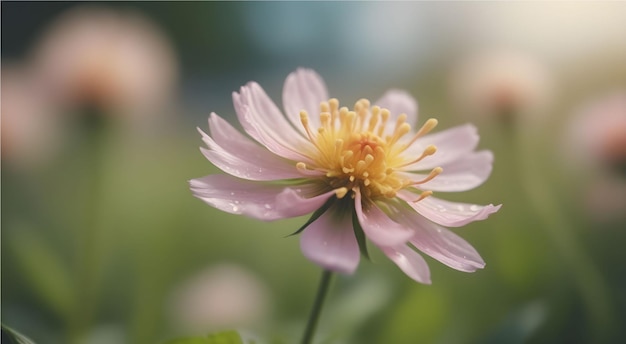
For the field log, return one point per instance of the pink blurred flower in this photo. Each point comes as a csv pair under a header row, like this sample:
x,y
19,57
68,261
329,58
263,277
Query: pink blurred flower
x,y
596,136
220,297
595,144
117,60
494,84
30,134
361,173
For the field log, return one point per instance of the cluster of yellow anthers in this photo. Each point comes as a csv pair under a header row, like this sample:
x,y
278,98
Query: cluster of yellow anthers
x,y
354,151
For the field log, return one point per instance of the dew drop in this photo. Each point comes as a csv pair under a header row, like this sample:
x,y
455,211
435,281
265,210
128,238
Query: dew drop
x,y
474,208
268,206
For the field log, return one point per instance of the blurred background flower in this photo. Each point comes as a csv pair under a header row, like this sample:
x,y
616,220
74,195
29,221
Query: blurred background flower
x,y
503,85
221,297
596,135
118,60
99,109
594,147
30,134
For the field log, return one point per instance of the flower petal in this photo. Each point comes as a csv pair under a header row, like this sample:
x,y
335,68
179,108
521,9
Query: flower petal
x,y
377,226
440,243
451,144
262,201
330,242
446,213
409,261
398,102
262,120
463,174
304,89
237,155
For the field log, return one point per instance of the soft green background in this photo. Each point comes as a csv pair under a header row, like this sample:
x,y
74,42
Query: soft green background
x,y
95,241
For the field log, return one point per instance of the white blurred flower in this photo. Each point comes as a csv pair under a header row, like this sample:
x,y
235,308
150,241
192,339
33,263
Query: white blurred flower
x,y
113,59
501,83
30,132
220,297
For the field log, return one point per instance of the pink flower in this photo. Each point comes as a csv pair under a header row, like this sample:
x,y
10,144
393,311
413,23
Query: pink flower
x,y
115,59
498,84
363,173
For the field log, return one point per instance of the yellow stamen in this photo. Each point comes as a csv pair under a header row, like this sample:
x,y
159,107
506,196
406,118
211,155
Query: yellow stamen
x,y
341,192
424,195
374,118
352,154
304,119
302,168
435,172
430,124
384,114
430,150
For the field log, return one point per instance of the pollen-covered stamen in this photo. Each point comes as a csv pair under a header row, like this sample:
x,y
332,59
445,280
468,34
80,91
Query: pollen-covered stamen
x,y
334,109
401,129
325,118
304,119
384,115
423,195
374,118
303,169
351,151
430,150
435,172
341,192
361,108
346,117
429,125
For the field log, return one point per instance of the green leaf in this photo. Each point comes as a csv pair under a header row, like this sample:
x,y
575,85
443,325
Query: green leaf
x,y
226,337
315,215
360,235
10,336
46,272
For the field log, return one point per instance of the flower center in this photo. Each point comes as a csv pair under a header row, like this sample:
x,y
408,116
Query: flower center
x,y
358,149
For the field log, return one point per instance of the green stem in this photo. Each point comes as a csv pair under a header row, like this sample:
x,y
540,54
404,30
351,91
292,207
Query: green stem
x,y
317,307
92,144
593,289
